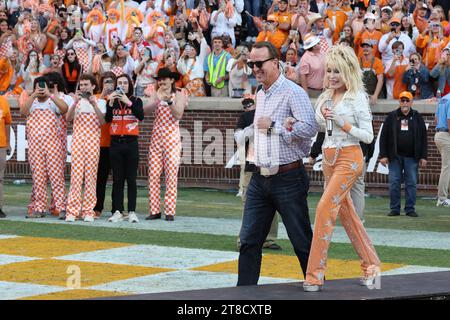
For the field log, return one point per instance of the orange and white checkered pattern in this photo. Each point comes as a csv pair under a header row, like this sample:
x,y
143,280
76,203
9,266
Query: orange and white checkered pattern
x,y
164,154
117,70
43,140
82,55
85,154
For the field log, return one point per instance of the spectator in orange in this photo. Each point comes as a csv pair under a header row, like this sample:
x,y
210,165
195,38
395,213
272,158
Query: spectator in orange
x,y
420,18
5,148
386,16
394,71
373,72
284,17
432,42
337,17
271,33
368,34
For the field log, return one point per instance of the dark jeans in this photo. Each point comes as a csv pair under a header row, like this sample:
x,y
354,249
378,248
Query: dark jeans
x,y
124,157
403,169
104,167
286,193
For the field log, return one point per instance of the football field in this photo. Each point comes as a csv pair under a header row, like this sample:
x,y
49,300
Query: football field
x,y
51,259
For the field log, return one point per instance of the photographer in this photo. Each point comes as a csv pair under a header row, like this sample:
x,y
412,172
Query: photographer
x,y
292,41
387,40
124,112
417,78
165,147
190,66
394,70
42,109
239,72
441,71
145,72
88,115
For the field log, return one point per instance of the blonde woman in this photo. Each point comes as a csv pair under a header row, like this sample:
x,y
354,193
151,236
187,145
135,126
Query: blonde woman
x,y
345,103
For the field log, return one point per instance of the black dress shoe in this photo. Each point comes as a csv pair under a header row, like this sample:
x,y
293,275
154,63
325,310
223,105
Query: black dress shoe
x,y
393,214
169,217
2,214
412,214
272,246
154,216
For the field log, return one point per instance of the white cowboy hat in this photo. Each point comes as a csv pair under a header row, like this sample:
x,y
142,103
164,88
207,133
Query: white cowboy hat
x,y
310,41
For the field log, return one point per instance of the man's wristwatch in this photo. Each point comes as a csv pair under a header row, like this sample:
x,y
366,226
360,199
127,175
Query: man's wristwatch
x,y
272,125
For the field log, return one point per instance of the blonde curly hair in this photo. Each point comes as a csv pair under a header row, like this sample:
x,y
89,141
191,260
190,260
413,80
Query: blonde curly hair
x,y
343,59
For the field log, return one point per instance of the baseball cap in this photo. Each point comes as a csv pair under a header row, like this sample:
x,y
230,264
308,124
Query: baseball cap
x,y
387,8
406,94
370,16
366,43
424,6
395,20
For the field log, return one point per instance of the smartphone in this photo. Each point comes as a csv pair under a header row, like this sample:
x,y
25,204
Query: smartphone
x,y
42,84
85,95
342,35
119,90
293,33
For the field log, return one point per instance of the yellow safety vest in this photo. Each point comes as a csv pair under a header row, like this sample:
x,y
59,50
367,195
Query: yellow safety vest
x,y
218,71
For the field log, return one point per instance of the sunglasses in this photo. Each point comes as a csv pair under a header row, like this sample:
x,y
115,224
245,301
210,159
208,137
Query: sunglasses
x,y
259,64
108,81
395,24
405,100
71,54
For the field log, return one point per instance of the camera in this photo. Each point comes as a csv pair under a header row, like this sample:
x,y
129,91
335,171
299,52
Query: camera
x,y
247,103
86,95
119,90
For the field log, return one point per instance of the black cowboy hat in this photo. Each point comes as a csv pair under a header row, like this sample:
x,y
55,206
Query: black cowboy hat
x,y
166,73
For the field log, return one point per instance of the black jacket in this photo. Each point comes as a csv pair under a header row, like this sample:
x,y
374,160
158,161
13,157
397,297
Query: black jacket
x,y
388,138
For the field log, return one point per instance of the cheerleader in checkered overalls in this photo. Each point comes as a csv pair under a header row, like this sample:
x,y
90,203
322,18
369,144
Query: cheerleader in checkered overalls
x,y
42,109
165,146
88,115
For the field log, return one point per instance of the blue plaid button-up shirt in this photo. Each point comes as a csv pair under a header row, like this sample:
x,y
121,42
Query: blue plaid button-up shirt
x,y
282,100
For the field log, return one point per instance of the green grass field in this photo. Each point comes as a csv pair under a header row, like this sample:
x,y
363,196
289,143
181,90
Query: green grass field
x,y
223,204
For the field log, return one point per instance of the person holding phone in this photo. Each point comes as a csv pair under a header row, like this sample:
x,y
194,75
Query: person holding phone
x,y
190,65
42,109
145,72
417,78
169,104
301,17
5,147
124,112
88,115
83,48
71,70
394,70
396,34
432,42
122,62
104,166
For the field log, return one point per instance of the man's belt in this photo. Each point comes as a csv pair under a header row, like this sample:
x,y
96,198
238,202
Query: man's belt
x,y
285,167
441,130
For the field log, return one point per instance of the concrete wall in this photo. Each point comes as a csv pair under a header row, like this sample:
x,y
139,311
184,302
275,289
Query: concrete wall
x,y
207,119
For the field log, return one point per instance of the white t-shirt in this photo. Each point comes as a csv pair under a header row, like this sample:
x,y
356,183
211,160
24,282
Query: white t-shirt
x,y
86,107
46,105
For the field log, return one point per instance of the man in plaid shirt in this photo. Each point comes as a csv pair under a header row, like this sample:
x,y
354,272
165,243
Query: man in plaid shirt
x,y
280,182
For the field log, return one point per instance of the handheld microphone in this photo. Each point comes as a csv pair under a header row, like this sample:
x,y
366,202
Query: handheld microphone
x,y
329,107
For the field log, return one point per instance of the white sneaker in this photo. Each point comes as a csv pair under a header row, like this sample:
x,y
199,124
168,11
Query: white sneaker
x,y
443,203
88,219
132,217
117,217
70,218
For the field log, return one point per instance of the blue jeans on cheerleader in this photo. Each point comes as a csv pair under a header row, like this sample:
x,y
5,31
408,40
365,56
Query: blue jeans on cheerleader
x,y
403,169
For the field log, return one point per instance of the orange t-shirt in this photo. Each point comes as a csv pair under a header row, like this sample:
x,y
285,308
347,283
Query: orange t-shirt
x,y
50,45
421,23
284,17
381,3
399,86
5,118
374,38
277,38
432,52
377,65
338,18
105,137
